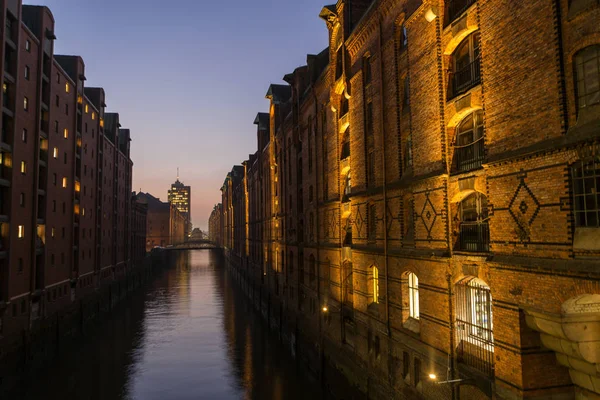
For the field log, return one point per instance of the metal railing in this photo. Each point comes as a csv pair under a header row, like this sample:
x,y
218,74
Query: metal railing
x,y
470,156
466,78
457,7
474,236
474,327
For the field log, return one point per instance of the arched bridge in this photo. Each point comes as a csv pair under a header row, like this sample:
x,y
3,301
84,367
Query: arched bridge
x,y
194,244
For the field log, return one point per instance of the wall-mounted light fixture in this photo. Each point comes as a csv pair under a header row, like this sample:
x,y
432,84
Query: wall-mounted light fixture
x,y
431,14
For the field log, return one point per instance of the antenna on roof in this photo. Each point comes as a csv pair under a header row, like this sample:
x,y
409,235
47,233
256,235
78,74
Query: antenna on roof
x,y
177,173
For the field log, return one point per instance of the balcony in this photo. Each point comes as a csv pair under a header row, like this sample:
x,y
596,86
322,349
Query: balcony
x,y
470,156
474,236
466,78
457,7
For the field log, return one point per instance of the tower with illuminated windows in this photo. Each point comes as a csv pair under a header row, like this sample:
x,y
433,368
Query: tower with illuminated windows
x,y
181,197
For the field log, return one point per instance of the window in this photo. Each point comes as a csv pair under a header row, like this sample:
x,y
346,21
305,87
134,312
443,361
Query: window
x,y
54,178
67,87
57,102
93,115
586,193
57,77
66,133
20,265
469,151
55,152
53,232
22,199
65,157
466,64
21,231
587,75
66,109
27,72
413,296
23,167
54,204
372,234
27,45
24,135
87,109
457,7
474,233
474,324
369,120
64,182
375,280
367,70
55,126
25,103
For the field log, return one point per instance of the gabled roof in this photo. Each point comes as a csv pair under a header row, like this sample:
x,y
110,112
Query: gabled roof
x,y
279,94
262,120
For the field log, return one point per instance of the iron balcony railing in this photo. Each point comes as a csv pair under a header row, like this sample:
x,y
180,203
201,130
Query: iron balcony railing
x,y
457,7
466,78
474,236
470,156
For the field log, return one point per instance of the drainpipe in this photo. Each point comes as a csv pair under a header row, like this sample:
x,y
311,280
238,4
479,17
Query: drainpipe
x,y
385,231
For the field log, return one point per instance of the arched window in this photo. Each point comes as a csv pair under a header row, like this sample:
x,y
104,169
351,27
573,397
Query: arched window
x,y
474,231
587,76
469,142
375,283
345,145
312,270
413,296
466,65
474,324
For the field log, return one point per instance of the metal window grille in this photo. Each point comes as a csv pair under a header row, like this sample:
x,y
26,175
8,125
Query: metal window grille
x,y
586,195
467,65
474,325
413,295
587,72
469,150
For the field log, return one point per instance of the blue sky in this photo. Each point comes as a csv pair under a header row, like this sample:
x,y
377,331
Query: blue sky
x,y
188,77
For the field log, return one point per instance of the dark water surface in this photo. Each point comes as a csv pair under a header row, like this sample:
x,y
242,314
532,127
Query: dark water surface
x,y
190,334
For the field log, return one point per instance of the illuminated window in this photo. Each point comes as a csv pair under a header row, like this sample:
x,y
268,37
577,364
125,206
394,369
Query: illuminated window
x,y
66,133
67,87
27,73
24,135
93,115
413,295
21,232
53,232
55,152
101,122
25,103
86,108
23,167
27,45
64,182
375,284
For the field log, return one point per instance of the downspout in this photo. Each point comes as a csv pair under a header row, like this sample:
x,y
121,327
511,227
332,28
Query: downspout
x,y
385,230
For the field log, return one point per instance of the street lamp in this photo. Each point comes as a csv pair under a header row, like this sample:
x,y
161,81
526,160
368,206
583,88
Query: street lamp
x,y
434,377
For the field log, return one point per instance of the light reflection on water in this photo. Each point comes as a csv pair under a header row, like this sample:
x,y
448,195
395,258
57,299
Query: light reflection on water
x,y
189,335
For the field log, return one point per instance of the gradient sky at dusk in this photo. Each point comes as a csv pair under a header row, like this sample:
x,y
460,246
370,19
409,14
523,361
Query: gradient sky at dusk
x,y
188,77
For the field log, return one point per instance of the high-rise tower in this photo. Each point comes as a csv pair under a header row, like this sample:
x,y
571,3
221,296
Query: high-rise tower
x,y
181,197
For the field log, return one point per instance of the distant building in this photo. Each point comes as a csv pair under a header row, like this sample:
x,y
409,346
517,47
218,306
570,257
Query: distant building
x,y
165,224
215,225
181,197
139,218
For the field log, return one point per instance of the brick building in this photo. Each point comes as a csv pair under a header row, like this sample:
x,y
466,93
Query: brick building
x,y
214,225
165,224
60,234
423,199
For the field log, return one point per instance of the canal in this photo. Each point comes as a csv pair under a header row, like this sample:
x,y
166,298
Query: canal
x,y
190,334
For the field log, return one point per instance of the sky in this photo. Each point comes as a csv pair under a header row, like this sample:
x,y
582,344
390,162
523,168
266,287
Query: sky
x,y
188,78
